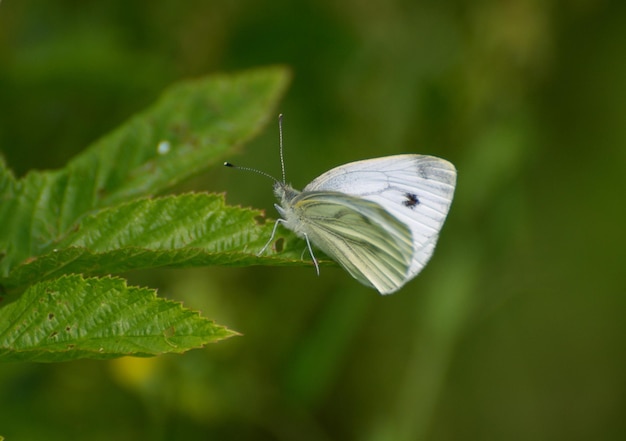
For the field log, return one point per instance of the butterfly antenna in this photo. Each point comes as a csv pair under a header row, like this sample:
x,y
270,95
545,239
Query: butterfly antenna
x,y
282,161
280,143
262,173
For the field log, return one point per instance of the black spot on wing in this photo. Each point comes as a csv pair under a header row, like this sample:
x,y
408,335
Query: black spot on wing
x,y
410,200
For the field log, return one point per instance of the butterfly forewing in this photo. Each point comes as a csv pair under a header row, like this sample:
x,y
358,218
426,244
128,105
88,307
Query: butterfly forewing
x,y
416,190
373,246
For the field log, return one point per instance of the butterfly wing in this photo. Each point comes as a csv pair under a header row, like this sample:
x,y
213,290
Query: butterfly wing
x,y
373,246
417,190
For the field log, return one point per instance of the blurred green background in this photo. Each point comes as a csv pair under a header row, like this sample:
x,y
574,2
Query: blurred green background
x,y
515,330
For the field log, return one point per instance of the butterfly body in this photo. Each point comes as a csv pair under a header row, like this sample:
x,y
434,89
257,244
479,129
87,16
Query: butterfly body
x,y
378,218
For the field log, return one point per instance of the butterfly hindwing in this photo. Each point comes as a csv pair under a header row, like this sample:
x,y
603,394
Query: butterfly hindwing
x,y
373,246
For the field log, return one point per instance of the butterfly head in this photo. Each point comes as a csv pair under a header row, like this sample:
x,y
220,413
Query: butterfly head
x,y
285,193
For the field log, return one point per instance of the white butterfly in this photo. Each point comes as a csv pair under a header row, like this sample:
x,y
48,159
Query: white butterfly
x,y
378,218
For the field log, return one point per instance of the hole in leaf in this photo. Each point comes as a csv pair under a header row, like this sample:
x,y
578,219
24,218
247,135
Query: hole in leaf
x,y
54,334
279,245
50,316
260,220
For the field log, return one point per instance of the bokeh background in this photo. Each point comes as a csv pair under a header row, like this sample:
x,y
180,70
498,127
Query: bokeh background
x,y
515,330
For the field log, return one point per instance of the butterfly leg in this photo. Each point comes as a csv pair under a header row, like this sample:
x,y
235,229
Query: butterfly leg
x,y
278,221
317,267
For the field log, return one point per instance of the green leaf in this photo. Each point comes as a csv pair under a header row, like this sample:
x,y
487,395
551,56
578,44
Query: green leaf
x,y
198,120
175,231
73,317
99,215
